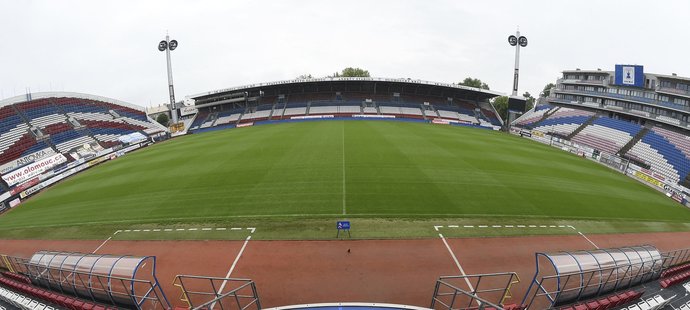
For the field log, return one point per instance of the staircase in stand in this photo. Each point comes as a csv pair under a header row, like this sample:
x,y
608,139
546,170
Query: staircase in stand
x,y
634,140
585,124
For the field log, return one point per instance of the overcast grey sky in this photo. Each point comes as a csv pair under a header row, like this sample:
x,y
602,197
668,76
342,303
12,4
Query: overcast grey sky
x,y
109,48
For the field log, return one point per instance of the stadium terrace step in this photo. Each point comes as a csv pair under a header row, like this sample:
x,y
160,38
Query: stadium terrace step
x,y
634,141
582,127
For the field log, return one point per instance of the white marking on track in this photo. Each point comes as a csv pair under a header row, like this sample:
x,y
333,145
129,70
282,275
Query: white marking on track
x,y
102,244
232,267
590,241
457,263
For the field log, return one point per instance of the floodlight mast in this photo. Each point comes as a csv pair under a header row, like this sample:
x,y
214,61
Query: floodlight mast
x,y
169,45
518,41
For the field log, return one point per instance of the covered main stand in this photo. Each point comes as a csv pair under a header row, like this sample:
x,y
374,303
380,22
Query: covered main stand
x,y
566,277
125,281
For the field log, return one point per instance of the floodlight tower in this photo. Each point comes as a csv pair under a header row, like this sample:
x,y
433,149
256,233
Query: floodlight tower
x,y
518,41
168,45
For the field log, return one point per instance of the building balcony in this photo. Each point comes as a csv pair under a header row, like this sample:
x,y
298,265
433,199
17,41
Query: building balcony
x,y
658,118
640,100
673,91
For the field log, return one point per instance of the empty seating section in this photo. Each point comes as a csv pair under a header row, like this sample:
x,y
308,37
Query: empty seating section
x,y
292,109
564,121
108,131
14,148
608,302
644,152
39,296
675,270
41,113
532,116
65,141
229,116
666,151
674,279
256,116
491,116
200,118
607,135
462,113
20,301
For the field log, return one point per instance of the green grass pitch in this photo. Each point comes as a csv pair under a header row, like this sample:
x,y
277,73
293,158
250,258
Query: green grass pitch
x,y
381,173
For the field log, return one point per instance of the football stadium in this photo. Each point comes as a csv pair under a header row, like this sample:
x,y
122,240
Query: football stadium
x,y
351,192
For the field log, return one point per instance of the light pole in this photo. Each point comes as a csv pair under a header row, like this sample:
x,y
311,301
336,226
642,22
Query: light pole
x,y
168,45
518,41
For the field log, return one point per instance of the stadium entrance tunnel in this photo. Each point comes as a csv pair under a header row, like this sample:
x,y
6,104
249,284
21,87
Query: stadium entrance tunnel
x,y
565,277
124,281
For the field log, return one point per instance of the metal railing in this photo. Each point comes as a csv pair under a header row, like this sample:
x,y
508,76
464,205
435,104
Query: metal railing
x,y
200,292
448,294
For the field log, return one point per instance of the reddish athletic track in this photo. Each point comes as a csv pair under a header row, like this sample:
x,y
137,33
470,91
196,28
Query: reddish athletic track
x,y
391,271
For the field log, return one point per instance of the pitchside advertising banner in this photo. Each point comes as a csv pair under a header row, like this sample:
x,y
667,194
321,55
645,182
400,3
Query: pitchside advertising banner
x,y
630,75
25,160
34,169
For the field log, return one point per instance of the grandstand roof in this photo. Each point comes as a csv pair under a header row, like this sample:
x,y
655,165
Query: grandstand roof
x,y
41,95
482,93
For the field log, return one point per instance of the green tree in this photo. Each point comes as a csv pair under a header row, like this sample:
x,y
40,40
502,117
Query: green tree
x,y
501,105
530,100
471,82
547,90
353,72
163,119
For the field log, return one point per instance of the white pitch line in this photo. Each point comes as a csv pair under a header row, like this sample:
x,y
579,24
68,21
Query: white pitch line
x,y
106,241
468,226
128,230
483,226
542,226
590,241
207,229
167,229
496,226
521,226
136,230
532,226
192,229
156,230
344,192
147,230
457,263
179,229
509,226
221,228
234,263
453,226
437,227
253,229
236,228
